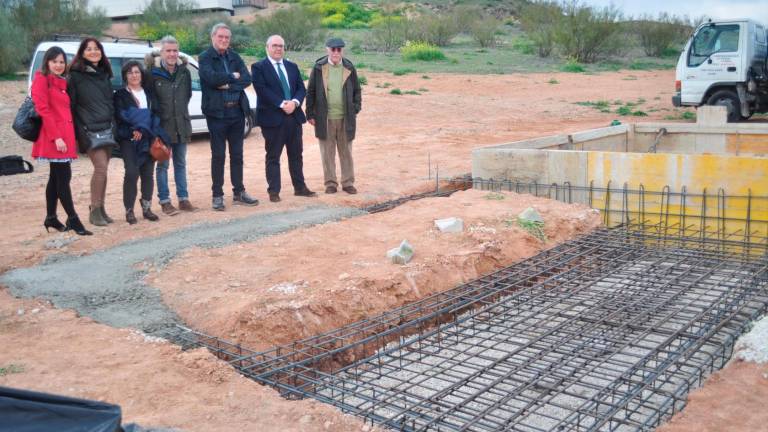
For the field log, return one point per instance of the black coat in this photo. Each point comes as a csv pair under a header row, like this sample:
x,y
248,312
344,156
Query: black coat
x,y
90,94
213,74
123,99
317,102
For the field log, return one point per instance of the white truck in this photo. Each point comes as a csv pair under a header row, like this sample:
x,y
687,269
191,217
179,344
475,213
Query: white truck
x,y
724,63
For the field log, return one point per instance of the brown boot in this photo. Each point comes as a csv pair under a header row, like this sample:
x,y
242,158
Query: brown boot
x,y
169,209
185,205
95,217
105,216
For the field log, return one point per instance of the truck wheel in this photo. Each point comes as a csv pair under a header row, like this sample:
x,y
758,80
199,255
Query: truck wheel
x,y
730,101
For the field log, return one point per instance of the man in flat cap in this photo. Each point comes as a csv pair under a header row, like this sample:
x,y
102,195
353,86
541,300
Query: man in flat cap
x,y
333,101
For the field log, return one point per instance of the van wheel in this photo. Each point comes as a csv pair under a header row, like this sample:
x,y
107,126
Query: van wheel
x,y
248,125
730,101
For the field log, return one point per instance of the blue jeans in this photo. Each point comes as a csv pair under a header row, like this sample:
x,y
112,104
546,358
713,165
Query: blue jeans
x,y
179,175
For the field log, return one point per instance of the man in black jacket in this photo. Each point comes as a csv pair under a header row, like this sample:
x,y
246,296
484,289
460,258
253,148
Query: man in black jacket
x,y
224,77
333,101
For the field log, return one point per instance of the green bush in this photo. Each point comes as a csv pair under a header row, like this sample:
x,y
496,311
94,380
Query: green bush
x,y
13,45
658,36
587,34
340,13
539,20
389,32
402,71
573,66
421,51
298,25
362,79
435,29
524,45
483,31
42,18
396,91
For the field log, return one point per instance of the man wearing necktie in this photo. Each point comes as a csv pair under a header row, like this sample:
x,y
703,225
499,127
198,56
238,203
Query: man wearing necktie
x,y
280,91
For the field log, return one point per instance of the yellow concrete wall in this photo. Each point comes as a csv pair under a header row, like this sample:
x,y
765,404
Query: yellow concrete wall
x,y
736,176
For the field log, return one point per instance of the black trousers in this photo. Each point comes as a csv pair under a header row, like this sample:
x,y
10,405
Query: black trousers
x,y
134,172
286,135
58,189
222,131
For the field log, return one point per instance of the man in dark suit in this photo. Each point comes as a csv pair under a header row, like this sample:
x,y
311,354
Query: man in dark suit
x,y
280,91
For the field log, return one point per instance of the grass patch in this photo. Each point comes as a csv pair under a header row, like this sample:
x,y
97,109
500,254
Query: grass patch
x,y
425,77
11,369
598,105
495,196
645,65
553,81
396,91
630,78
402,71
422,89
534,228
362,79
421,51
682,115
361,65
626,110
573,67
384,85
411,92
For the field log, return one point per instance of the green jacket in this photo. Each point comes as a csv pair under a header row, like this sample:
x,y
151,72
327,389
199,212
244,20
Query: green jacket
x,y
317,102
173,94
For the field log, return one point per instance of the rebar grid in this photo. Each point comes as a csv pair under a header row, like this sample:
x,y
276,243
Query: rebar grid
x,y
606,332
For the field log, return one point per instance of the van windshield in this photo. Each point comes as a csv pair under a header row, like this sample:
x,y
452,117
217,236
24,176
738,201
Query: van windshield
x,y
713,39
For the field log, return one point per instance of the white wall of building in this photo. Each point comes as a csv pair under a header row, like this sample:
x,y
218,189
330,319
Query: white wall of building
x,y
124,8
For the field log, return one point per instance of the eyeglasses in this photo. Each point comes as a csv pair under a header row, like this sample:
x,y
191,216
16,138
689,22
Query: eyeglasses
x,y
336,49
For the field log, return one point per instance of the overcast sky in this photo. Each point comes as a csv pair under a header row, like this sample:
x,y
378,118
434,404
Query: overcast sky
x,y
716,9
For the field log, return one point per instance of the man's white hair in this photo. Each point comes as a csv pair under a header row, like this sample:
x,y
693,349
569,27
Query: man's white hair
x,y
218,27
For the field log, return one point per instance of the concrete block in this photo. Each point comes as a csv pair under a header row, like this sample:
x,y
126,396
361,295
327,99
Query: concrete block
x,y
450,225
530,215
401,254
709,115
505,164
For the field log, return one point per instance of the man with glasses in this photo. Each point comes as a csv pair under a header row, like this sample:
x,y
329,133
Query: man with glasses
x,y
280,91
224,77
333,101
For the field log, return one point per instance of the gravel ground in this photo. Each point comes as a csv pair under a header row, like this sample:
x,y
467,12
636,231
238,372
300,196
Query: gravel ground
x,y
753,346
109,286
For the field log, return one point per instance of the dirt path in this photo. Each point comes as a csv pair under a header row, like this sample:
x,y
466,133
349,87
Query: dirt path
x,y
109,287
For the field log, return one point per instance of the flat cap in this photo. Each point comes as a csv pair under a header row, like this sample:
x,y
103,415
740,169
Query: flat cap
x,y
334,43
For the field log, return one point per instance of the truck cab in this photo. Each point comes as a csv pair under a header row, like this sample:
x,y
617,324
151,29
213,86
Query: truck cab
x,y
724,63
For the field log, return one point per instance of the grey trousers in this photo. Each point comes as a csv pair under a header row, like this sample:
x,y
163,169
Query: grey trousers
x,y
337,140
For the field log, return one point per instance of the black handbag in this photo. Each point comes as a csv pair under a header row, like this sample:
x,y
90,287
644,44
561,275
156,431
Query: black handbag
x,y
100,138
27,123
10,165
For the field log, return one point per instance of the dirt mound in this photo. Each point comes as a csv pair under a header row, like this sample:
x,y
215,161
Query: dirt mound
x,y
312,280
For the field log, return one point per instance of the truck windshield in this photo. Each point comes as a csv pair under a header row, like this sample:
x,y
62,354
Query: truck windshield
x,y
713,39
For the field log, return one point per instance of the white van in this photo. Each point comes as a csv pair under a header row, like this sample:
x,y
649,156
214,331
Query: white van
x,y
121,52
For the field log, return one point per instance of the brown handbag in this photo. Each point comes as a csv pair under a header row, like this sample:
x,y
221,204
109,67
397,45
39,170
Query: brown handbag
x,y
159,151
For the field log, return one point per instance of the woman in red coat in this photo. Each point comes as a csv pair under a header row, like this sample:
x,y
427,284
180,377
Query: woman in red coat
x,y
56,143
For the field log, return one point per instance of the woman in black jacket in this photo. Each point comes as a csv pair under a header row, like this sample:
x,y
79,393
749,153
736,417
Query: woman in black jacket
x,y
90,93
133,104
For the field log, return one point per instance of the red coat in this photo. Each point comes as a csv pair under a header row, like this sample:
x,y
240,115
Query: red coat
x,y
49,93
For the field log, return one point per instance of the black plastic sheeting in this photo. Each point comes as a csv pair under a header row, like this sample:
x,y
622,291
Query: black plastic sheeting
x,y
28,411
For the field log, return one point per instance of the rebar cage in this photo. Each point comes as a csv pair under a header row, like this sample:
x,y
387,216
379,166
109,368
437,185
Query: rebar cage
x,y
606,332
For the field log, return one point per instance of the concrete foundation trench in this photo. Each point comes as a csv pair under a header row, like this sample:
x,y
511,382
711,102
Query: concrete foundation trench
x,y
610,331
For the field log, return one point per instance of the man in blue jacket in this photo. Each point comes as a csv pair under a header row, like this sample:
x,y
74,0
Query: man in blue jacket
x,y
224,77
280,91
